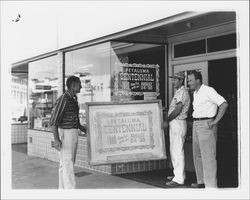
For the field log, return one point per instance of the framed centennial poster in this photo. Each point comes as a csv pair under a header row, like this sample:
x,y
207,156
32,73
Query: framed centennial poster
x,y
121,132
136,79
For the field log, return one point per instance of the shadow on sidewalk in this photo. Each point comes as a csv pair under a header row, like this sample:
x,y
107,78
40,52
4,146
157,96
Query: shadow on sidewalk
x,y
158,178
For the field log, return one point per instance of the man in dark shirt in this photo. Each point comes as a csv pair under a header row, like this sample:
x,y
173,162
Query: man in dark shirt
x,y
65,124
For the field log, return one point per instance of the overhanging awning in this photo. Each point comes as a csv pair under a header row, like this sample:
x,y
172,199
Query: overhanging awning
x,y
116,33
161,29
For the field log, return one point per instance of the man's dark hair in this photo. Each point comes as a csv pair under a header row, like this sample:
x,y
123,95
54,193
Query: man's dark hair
x,y
197,75
70,80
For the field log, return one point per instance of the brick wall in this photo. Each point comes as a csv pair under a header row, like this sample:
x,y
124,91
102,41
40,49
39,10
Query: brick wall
x,y
39,144
19,133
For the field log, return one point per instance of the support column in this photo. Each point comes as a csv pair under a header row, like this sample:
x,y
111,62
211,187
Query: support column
x,y
60,73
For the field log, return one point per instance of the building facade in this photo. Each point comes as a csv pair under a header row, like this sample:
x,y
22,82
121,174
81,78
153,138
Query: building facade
x,y
206,42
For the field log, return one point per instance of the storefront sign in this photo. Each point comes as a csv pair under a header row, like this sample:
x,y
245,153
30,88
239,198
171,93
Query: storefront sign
x,y
136,79
124,132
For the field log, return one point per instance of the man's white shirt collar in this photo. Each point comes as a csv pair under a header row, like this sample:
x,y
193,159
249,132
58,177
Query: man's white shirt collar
x,y
202,85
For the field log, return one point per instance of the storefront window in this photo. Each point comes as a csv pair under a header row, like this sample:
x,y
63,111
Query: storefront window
x,y
92,66
138,71
43,91
106,71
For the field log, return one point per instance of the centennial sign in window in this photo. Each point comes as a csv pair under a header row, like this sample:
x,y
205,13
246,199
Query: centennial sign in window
x,y
135,71
137,79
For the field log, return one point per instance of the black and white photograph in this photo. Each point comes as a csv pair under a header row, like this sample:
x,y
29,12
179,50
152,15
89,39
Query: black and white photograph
x,y
124,99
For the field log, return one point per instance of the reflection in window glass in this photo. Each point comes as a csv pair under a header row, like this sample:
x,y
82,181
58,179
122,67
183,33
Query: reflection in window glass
x,y
138,71
92,66
43,91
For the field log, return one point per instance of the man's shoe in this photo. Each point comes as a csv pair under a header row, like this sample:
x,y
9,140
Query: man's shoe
x,y
172,184
196,185
170,178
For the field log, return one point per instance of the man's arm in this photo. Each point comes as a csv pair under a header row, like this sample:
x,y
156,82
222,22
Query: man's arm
x,y
221,112
173,114
54,120
57,141
55,132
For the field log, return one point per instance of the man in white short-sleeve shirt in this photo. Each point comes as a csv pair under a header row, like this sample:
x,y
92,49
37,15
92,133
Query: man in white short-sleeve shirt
x,y
209,107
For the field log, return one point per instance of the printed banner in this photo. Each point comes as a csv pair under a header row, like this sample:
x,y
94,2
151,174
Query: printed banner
x,y
124,132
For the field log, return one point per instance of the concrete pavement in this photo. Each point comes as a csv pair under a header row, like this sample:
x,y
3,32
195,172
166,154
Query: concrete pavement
x,y
30,172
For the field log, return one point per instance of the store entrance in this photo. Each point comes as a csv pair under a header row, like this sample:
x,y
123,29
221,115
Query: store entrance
x,y
222,75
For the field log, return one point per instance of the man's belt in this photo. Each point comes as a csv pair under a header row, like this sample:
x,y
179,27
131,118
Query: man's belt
x,y
202,118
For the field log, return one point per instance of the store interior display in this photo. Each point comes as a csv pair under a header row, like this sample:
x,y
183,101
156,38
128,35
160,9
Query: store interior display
x,y
43,92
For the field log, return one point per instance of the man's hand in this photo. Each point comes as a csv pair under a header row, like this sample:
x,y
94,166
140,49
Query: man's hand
x,y
58,144
211,124
83,129
221,112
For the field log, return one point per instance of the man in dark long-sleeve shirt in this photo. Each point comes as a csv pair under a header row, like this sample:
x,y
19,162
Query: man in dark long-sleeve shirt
x,y
65,124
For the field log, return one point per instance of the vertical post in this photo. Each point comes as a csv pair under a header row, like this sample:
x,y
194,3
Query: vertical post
x,y
170,72
60,69
166,74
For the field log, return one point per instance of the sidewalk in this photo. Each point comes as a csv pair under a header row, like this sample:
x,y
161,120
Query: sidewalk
x,y
30,172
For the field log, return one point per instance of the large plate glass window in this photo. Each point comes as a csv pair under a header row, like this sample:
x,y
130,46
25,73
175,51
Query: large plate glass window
x,y
116,71
92,66
43,91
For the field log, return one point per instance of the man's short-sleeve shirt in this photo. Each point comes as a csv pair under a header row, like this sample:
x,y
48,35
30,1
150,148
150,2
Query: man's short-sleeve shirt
x,y
206,102
181,96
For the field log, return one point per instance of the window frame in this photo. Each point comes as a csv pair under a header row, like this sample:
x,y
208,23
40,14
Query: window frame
x,y
172,44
